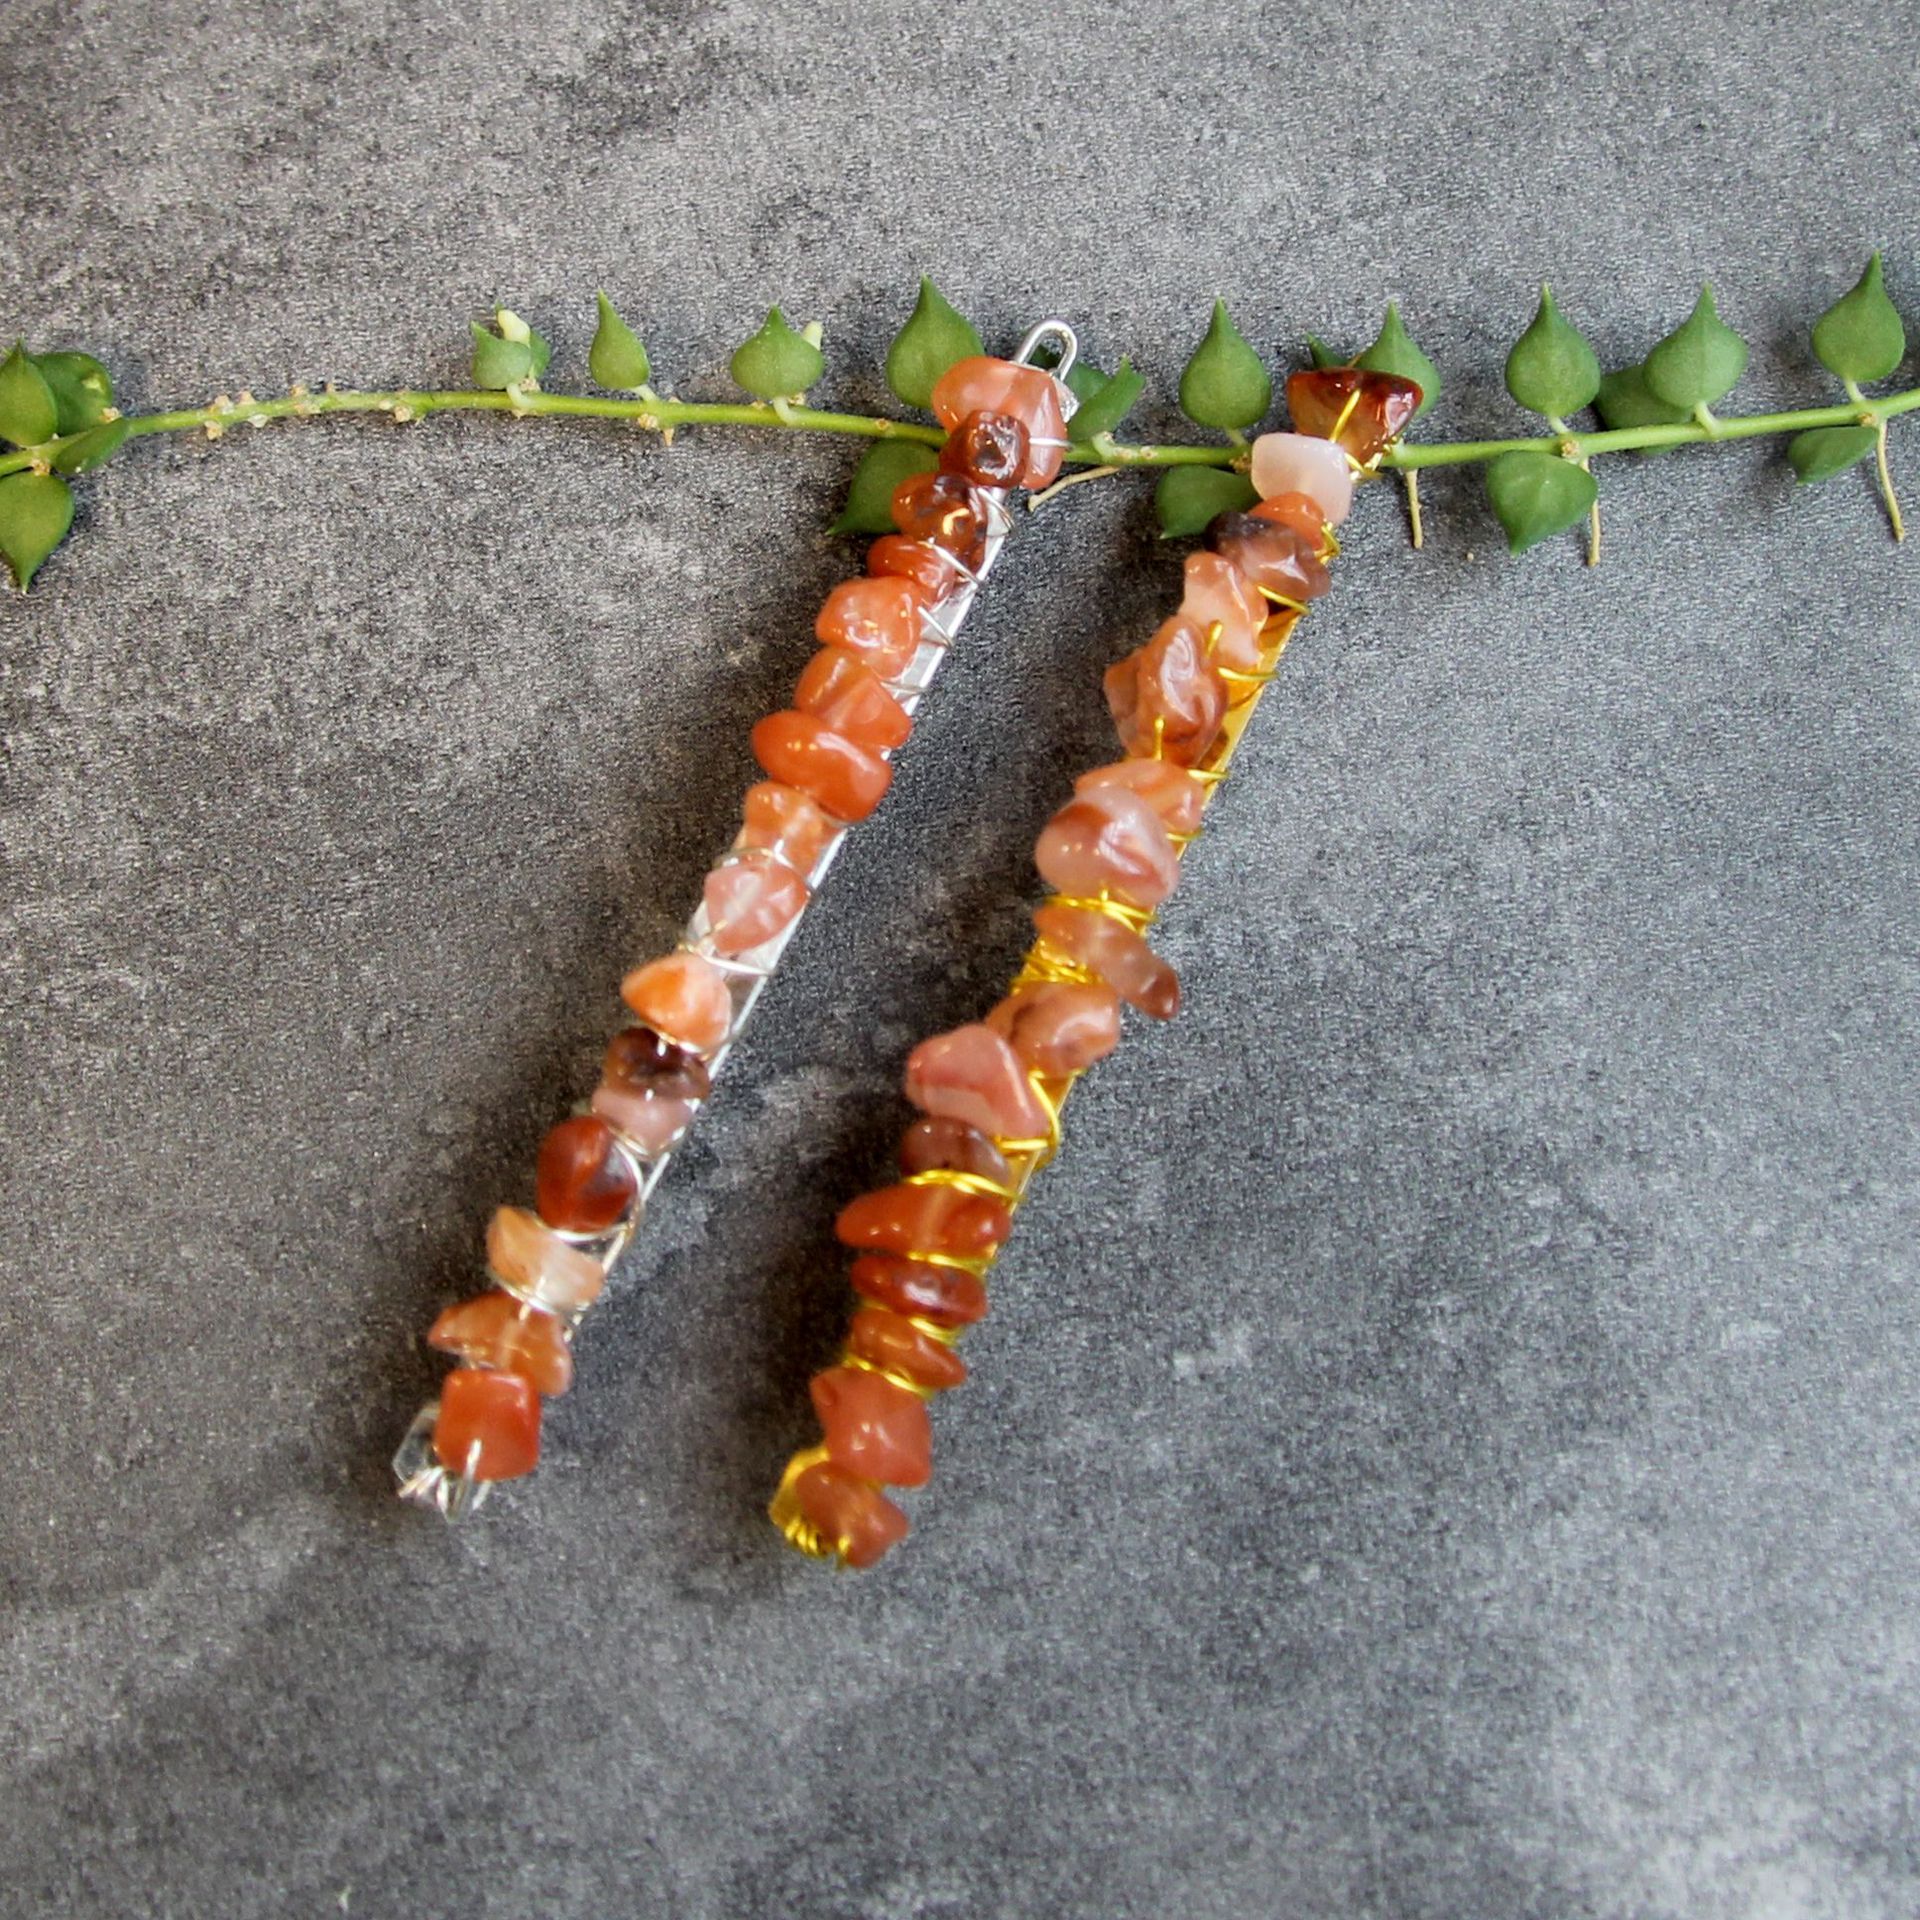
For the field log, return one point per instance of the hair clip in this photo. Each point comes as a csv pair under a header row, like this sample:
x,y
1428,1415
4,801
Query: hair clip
x,y
827,758
989,1095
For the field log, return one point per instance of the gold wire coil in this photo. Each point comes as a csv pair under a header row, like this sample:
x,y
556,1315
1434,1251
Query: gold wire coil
x,y
1025,1157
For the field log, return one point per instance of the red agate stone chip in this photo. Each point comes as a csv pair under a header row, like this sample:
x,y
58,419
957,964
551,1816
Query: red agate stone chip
x,y
989,449
1358,410
1300,511
893,555
581,1180
892,1342
948,1296
849,697
496,1330
851,1515
785,823
1108,840
934,1218
972,1075
1032,395
951,1146
942,509
878,618
801,750
1167,698
871,1426
1058,1027
489,1424
1275,559
1117,954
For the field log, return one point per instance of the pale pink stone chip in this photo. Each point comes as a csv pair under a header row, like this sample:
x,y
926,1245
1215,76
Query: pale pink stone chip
x,y
749,899
530,1259
1217,591
1298,463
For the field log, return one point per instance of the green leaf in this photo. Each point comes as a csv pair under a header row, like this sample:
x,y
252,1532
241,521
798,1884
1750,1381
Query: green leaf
x,y
513,328
1698,361
1393,351
616,359
1551,369
1625,401
1224,384
27,412
1188,498
36,509
934,338
1104,409
91,447
1085,379
777,362
1321,354
497,363
1537,495
81,387
886,463
1824,451
1860,337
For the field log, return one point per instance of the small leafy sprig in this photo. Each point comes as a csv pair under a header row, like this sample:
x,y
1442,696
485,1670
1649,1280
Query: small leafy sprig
x,y
57,411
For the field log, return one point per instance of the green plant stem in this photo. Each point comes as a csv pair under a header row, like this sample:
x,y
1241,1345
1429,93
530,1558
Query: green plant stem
x,y
1876,418
659,415
1738,426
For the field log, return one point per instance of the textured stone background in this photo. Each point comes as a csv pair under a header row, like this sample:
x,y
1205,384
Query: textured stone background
x,y
1445,1440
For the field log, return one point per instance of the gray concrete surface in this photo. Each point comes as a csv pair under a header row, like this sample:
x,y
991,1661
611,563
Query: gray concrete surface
x,y
1445,1442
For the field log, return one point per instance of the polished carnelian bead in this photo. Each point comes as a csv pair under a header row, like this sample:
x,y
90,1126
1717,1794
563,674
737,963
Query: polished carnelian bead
x,y
988,449
851,700
951,1146
683,996
1357,409
851,1515
1032,395
913,1219
871,1426
891,1342
496,1330
785,822
943,509
1277,560
1117,954
1108,841
1172,792
489,1424
846,778
877,618
1167,698
932,571
1058,1027
581,1180
1300,511
948,1296
971,1074
749,898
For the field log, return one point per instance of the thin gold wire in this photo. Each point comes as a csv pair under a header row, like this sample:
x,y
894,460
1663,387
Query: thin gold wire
x,y
1026,1156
